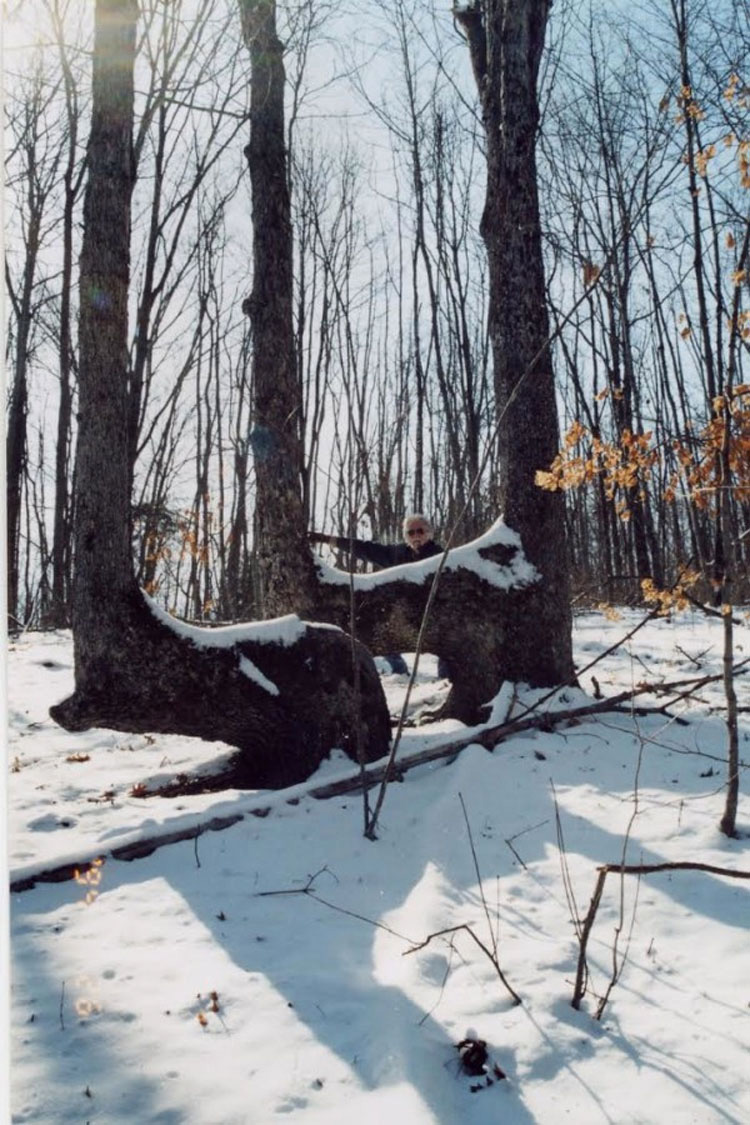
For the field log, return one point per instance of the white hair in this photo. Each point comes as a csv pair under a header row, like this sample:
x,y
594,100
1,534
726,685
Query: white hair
x,y
415,516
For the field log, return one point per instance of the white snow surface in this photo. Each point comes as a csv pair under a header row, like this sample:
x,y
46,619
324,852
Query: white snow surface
x,y
518,572
268,972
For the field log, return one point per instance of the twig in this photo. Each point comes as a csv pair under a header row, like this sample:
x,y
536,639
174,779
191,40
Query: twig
x,y
388,774
709,610
579,988
696,660
356,673
479,876
617,968
564,868
297,890
309,893
480,943
592,663
62,1004
728,822
195,849
443,983
532,828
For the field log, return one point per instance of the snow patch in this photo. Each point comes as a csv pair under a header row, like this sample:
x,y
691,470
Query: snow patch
x,y
253,672
279,630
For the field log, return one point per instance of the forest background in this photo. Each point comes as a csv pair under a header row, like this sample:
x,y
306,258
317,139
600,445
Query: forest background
x,y
644,170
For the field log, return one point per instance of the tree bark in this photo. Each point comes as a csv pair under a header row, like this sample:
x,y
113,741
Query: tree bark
x,y
286,572
16,431
103,569
506,40
59,614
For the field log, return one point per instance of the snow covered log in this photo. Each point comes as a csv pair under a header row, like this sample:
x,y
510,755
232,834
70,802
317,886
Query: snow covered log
x,y
488,595
281,691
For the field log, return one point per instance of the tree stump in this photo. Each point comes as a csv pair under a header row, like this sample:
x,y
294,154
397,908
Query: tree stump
x,y
281,691
485,608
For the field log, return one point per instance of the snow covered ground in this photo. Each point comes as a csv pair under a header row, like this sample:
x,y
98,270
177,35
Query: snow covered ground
x,y
265,972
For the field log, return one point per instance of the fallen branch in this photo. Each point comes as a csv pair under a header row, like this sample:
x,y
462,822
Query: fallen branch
x,y
308,891
137,850
630,869
489,737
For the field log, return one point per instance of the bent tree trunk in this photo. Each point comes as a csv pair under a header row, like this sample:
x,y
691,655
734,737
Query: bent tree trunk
x,y
506,41
281,691
284,702
479,619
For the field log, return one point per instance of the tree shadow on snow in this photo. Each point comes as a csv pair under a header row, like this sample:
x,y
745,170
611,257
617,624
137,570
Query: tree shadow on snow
x,y
373,1027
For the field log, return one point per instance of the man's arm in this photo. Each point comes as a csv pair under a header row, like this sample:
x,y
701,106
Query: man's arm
x,y
381,554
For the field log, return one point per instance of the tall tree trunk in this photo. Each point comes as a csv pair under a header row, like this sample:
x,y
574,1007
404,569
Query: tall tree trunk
x,y
16,432
103,569
506,39
59,615
286,571
15,457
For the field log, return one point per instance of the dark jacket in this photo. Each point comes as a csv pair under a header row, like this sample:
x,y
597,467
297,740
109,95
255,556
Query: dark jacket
x,y
386,554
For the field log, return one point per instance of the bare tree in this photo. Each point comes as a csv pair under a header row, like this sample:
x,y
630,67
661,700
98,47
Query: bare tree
x,y
286,572
506,42
35,151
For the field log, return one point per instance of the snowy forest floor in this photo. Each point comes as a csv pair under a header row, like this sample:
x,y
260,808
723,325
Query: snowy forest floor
x,y
267,971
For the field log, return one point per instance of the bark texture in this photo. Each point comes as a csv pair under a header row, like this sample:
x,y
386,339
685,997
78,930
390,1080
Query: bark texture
x,y
103,570
506,41
286,573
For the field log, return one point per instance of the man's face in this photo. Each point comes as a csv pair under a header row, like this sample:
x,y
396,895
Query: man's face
x,y
416,534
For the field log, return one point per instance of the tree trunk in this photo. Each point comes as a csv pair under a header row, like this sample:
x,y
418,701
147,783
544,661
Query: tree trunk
x,y
284,701
286,572
506,39
59,615
16,431
103,569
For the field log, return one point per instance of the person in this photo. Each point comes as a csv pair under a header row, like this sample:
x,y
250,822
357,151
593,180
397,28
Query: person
x,y
418,544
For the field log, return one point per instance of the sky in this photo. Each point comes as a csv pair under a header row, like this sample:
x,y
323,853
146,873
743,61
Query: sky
x,y
287,968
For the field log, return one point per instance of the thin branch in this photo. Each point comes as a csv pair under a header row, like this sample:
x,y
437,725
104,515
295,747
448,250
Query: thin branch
x,y
464,926
479,876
